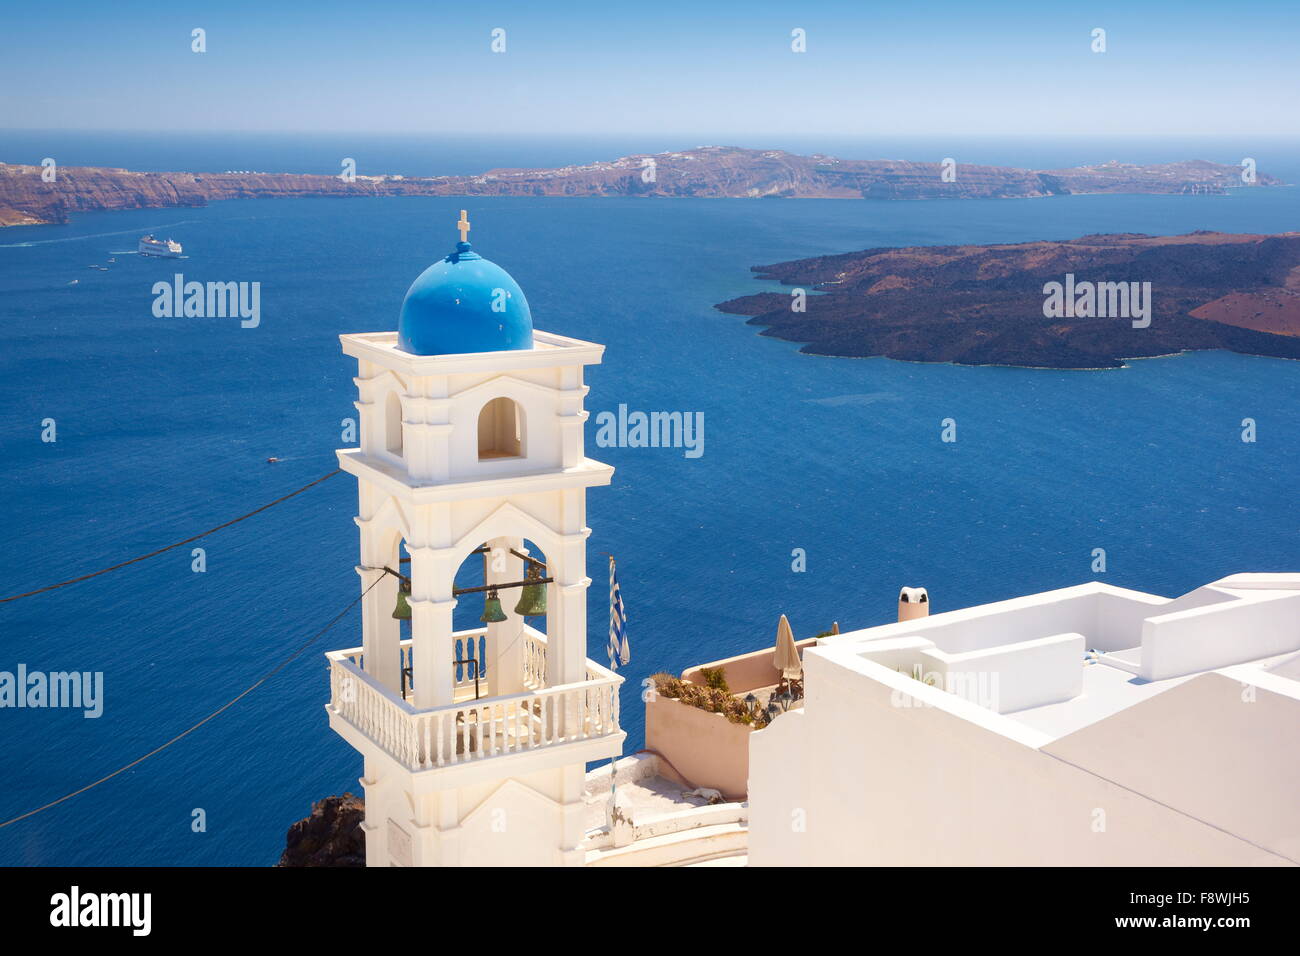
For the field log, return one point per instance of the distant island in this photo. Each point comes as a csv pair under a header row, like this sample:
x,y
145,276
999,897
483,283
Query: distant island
x,y
708,172
1041,304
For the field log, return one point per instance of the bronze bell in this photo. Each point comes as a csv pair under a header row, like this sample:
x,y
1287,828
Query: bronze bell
x,y
492,613
533,601
402,611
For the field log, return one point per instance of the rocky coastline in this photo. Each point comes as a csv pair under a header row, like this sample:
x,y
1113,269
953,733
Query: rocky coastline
x,y
330,836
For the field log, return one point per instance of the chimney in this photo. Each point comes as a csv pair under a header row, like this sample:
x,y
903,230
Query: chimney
x,y
913,603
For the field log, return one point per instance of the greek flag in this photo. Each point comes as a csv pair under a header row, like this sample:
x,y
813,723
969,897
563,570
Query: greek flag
x,y
618,649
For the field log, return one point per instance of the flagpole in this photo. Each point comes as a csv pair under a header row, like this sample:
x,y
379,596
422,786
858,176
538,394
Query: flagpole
x,y
613,665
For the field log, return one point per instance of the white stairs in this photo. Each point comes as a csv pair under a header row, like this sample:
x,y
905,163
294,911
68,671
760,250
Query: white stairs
x,y
689,847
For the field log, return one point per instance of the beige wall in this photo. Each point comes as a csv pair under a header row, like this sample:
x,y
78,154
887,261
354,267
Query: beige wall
x,y
747,672
706,749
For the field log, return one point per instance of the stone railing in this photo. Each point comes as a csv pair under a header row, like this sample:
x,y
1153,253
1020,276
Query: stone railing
x,y
489,727
533,657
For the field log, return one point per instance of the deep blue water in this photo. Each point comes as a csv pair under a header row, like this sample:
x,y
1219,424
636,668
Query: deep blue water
x,y
164,426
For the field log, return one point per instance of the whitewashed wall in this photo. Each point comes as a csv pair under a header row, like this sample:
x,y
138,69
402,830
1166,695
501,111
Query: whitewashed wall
x,y
869,774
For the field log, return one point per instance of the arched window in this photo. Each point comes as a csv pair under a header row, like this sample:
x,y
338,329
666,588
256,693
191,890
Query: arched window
x,y
393,424
500,430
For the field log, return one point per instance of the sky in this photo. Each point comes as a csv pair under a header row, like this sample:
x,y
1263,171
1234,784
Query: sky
x,y
714,71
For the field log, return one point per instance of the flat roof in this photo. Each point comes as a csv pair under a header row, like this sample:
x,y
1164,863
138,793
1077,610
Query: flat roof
x,y
1106,690
1110,682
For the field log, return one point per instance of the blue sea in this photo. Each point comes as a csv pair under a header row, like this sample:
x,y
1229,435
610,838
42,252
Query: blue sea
x,y
164,426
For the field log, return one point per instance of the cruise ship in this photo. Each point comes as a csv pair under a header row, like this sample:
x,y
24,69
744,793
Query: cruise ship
x,y
167,248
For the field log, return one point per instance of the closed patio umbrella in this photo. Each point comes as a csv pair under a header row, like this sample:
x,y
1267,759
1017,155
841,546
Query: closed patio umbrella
x,y
786,658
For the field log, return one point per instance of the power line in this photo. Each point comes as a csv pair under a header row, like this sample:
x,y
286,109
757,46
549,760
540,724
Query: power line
x,y
224,707
154,554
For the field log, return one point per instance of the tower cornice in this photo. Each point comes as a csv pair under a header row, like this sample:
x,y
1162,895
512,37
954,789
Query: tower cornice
x,y
549,350
394,481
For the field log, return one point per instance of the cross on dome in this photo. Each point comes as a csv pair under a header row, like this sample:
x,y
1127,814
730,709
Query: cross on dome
x,y
463,225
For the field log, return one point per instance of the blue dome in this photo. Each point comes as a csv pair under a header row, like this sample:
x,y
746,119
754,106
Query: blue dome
x,y
464,304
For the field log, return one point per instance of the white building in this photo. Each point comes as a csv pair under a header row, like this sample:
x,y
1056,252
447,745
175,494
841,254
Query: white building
x,y
471,443
1087,726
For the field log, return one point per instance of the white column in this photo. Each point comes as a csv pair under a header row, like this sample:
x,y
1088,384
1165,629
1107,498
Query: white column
x,y
431,653
571,415
432,604
369,431
505,639
427,413
566,621
380,631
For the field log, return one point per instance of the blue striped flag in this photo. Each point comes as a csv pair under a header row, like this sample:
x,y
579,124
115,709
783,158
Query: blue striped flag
x,y
618,649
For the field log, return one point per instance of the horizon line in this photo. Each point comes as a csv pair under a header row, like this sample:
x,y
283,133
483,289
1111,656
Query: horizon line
x,y
616,135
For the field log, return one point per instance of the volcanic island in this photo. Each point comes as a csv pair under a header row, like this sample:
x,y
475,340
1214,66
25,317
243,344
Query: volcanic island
x,y
1086,303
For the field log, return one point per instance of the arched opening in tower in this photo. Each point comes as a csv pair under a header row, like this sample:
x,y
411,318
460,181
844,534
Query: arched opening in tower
x,y
501,430
502,622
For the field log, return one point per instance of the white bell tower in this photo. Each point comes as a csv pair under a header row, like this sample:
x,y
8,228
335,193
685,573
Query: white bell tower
x,y
472,455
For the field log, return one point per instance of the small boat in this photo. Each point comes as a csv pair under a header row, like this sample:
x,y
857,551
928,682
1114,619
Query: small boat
x,y
164,248
272,461
74,282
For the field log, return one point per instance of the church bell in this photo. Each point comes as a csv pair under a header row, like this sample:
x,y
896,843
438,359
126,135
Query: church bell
x,y
402,611
533,601
492,613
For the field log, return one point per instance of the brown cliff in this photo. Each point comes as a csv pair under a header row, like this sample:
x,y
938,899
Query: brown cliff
x,y
710,171
331,836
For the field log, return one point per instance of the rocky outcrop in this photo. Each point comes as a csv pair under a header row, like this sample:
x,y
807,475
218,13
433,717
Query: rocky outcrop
x,y
331,836
709,171
984,305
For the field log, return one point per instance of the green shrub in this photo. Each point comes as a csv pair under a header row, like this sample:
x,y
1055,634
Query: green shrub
x,y
714,695
715,678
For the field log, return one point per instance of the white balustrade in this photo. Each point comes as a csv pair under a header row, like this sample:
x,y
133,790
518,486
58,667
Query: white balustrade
x,y
474,730
533,657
